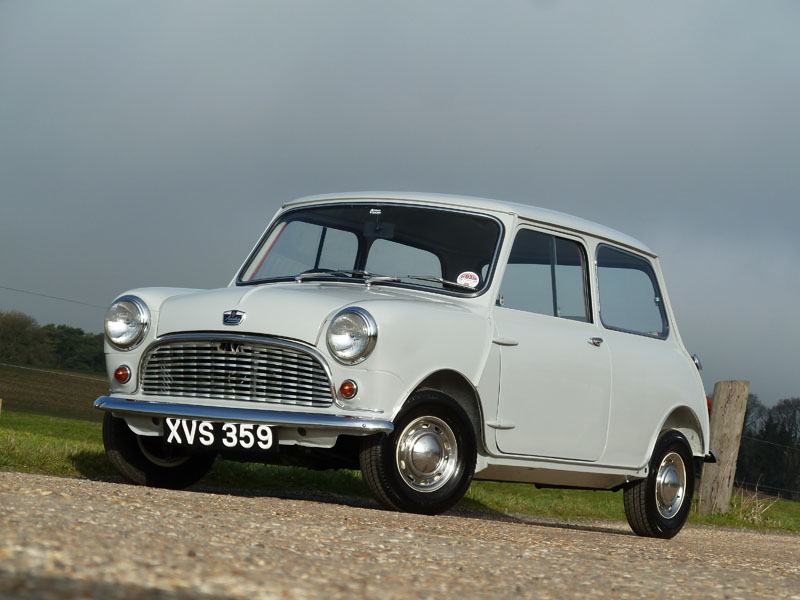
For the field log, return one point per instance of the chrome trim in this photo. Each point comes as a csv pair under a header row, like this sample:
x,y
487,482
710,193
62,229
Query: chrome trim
x,y
144,318
377,411
360,201
379,278
340,403
237,337
372,334
350,425
670,485
697,363
426,454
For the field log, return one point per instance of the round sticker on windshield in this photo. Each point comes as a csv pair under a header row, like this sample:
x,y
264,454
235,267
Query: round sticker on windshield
x,y
469,279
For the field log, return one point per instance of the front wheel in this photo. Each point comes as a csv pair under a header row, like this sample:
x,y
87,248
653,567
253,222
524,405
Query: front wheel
x,y
426,464
146,460
659,505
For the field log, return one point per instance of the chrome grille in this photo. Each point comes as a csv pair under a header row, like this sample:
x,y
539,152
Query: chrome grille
x,y
236,369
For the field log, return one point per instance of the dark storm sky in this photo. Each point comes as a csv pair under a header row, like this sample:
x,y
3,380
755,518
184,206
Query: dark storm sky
x,y
148,143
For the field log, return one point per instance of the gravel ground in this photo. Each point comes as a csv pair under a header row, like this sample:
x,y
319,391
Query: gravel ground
x,y
77,538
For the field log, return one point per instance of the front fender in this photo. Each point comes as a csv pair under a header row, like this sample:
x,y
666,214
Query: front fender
x,y
417,340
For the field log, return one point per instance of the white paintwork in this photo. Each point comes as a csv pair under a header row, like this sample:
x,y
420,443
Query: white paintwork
x,y
555,387
555,409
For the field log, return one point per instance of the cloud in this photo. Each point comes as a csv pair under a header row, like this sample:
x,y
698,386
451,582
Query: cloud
x,y
149,143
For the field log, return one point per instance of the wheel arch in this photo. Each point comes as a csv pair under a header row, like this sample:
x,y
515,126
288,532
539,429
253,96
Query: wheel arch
x,y
684,420
460,389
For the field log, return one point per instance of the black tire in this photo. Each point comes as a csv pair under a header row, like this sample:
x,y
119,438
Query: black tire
x,y
147,460
659,505
426,464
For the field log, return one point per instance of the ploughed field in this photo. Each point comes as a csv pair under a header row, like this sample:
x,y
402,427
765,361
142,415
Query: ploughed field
x,y
67,537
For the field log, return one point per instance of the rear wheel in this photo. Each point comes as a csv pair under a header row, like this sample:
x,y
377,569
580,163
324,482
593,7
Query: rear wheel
x,y
659,505
147,460
426,464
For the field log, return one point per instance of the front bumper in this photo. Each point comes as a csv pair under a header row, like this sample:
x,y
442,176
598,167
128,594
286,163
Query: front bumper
x,y
343,424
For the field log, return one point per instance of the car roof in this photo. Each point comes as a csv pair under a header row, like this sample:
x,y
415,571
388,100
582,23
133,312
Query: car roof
x,y
523,211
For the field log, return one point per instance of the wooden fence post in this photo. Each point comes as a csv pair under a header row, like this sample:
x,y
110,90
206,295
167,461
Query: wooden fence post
x,y
727,417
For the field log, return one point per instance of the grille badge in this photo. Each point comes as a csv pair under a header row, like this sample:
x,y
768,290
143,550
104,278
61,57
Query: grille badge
x,y
233,317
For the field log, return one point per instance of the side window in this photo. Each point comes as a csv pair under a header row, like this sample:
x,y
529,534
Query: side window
x,y
630,299
546,274
390,258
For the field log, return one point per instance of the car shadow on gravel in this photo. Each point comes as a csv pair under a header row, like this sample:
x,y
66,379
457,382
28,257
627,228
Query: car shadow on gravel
x,y
95,466
474,510
488,514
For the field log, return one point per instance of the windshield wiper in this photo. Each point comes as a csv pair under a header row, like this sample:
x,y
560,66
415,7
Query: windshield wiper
x,y
396,278
314,273
381,278
440,280
370,278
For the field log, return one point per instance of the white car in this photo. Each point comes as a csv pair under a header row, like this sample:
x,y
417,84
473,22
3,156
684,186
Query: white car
x,y
428,340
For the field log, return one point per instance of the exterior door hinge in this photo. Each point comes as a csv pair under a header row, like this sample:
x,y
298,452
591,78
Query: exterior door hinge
x,y
499,425
505,342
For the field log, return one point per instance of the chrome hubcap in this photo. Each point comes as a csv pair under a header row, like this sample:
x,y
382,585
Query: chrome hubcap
x,y
427,454
670,485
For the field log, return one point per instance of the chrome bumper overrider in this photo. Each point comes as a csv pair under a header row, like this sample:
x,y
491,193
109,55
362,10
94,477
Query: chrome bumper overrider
x,y
345,424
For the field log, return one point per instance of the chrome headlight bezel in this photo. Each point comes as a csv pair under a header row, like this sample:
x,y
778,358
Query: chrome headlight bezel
x,y
369,334
141,319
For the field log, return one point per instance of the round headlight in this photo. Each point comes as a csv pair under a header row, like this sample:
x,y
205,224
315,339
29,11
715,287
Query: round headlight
x,y
127,321
352,335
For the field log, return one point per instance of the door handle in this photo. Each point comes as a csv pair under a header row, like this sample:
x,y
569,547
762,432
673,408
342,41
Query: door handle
x,y
595,341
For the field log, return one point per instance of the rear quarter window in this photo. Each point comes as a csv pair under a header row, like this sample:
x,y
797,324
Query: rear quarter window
x,y
630,298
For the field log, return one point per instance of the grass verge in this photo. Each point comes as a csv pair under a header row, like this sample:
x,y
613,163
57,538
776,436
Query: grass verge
x,y
50,445
48,425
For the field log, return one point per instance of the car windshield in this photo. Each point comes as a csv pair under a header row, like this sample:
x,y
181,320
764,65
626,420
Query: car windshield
x,y
385,244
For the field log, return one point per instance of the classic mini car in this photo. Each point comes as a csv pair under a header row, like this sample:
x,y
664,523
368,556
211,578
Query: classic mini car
x,y
427,340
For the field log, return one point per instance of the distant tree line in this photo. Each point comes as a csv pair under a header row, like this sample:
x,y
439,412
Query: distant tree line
x,y
769,454
24,342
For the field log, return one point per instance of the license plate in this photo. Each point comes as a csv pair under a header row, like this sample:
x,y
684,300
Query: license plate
x,y
220,436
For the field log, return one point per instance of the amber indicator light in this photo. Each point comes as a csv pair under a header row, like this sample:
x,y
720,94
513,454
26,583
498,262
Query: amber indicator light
x,y
122,374
348,389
